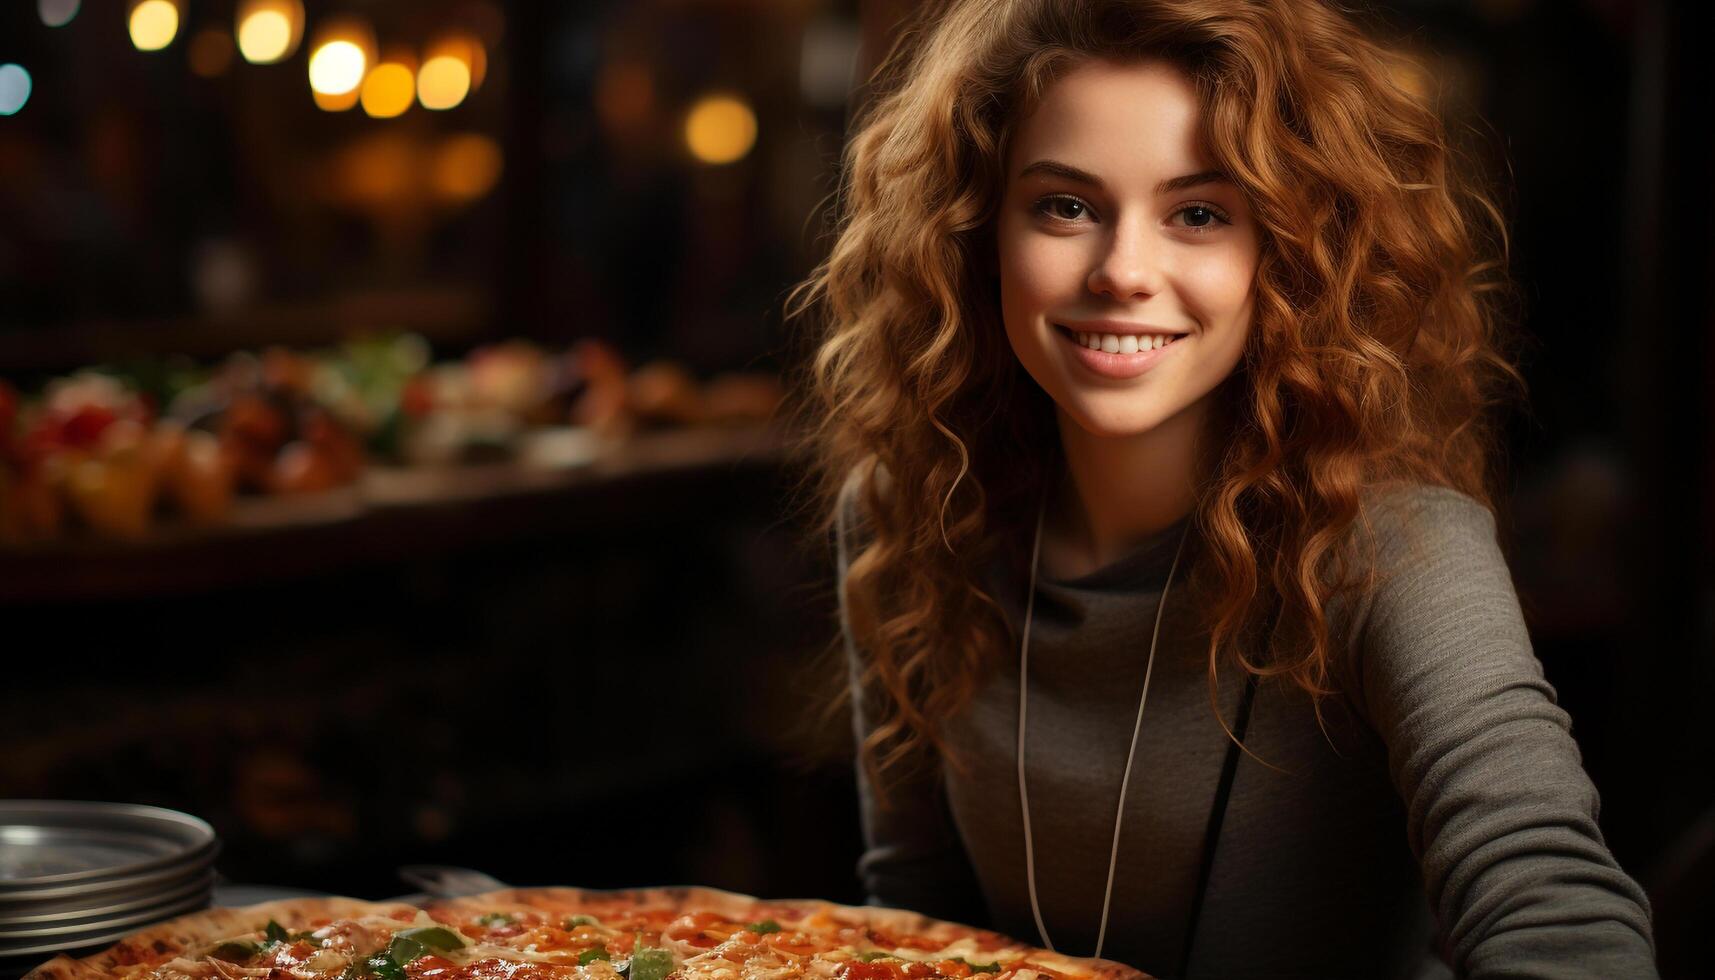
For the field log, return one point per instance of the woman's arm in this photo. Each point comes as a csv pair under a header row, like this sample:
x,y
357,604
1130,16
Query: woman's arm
x,y
1499,810
913,857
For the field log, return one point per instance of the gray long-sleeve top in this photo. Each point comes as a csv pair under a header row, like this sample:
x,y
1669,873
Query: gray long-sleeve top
x,y
1443,817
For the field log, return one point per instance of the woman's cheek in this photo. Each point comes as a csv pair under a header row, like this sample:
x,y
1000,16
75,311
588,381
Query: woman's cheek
x,y
1044,271
1218,288
1020,288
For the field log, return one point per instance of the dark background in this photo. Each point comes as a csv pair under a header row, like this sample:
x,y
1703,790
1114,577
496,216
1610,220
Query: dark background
x,y
614,693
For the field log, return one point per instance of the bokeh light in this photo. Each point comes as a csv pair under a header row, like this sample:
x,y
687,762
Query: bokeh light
x,y
466,167
264,37
335,101
625,95
443,81
57,13
269,30
344,49
210,52
379,172
389,88
154,24
14,88
475,56
337,68
720,129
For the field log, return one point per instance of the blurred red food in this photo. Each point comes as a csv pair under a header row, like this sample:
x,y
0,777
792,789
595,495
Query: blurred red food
x,y
302,468
663,391
605,399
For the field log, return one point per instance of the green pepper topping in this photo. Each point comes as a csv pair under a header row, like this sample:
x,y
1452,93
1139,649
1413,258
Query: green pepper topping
x,y
434,937
582,920
979,967
493,919
235,951
592,954
648,963
404,950
276,933
766,925
383,966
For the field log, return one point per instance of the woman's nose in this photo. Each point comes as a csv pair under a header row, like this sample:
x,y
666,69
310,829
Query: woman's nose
x,y
1129,266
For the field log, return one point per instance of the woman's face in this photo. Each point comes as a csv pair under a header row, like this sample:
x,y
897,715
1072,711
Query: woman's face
x,y
1114,226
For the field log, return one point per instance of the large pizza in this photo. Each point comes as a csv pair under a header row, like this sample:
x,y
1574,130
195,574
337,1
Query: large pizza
x,y
572,934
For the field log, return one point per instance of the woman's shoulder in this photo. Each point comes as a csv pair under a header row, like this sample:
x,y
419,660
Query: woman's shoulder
x,y
1412,527
1410,512
1416,546
1442,592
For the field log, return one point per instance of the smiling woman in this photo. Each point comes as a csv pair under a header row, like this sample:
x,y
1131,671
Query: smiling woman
x,y
1117,227
1343,759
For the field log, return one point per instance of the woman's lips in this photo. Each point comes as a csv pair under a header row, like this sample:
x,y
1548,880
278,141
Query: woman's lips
x,y
1117,366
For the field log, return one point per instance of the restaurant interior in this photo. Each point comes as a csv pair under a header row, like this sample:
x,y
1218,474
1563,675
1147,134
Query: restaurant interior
x,y
401,386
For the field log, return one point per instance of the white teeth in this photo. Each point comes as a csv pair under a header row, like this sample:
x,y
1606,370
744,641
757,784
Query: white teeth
x,y
1128,344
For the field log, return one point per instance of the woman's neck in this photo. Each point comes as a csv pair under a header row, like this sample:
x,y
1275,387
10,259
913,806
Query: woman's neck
x,y
1117,492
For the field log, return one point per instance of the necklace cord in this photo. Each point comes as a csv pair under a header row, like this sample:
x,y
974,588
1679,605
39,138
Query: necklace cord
x,y
1131,752
1023,705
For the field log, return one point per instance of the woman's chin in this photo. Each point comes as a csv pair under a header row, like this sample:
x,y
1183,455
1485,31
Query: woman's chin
x,y
1102,419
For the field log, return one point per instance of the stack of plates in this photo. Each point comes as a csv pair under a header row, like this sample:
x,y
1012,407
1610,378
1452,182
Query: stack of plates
x,y
77,876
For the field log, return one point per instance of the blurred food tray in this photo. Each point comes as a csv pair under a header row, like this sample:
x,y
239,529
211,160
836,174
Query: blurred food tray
x,y
558,485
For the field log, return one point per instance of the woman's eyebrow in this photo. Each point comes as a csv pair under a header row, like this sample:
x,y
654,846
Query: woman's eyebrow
x,y
1055,168
1172,184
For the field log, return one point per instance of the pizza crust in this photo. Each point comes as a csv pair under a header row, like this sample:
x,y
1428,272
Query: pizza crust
x,y
190,932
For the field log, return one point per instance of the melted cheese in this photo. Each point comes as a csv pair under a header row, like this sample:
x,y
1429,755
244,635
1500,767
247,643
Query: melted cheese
x,y
351,939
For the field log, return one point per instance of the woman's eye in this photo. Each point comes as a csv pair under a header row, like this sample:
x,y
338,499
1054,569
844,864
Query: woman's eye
x,y
1202,216
1062,208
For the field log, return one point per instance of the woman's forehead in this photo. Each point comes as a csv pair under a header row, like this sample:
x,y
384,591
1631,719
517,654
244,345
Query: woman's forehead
x,y
1130,124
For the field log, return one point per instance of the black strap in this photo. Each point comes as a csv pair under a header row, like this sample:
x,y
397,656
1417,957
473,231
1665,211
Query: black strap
x,y
1217,815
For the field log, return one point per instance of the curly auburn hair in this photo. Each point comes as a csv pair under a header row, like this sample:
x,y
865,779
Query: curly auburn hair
x,y
1376,354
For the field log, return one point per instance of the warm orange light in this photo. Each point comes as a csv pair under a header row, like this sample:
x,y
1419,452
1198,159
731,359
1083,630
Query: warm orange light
x,y
343,51
269,30
624,95
466,167
210,52
336,102
154,24
388,89
378,172
336,68
720,129
445,78
475,55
